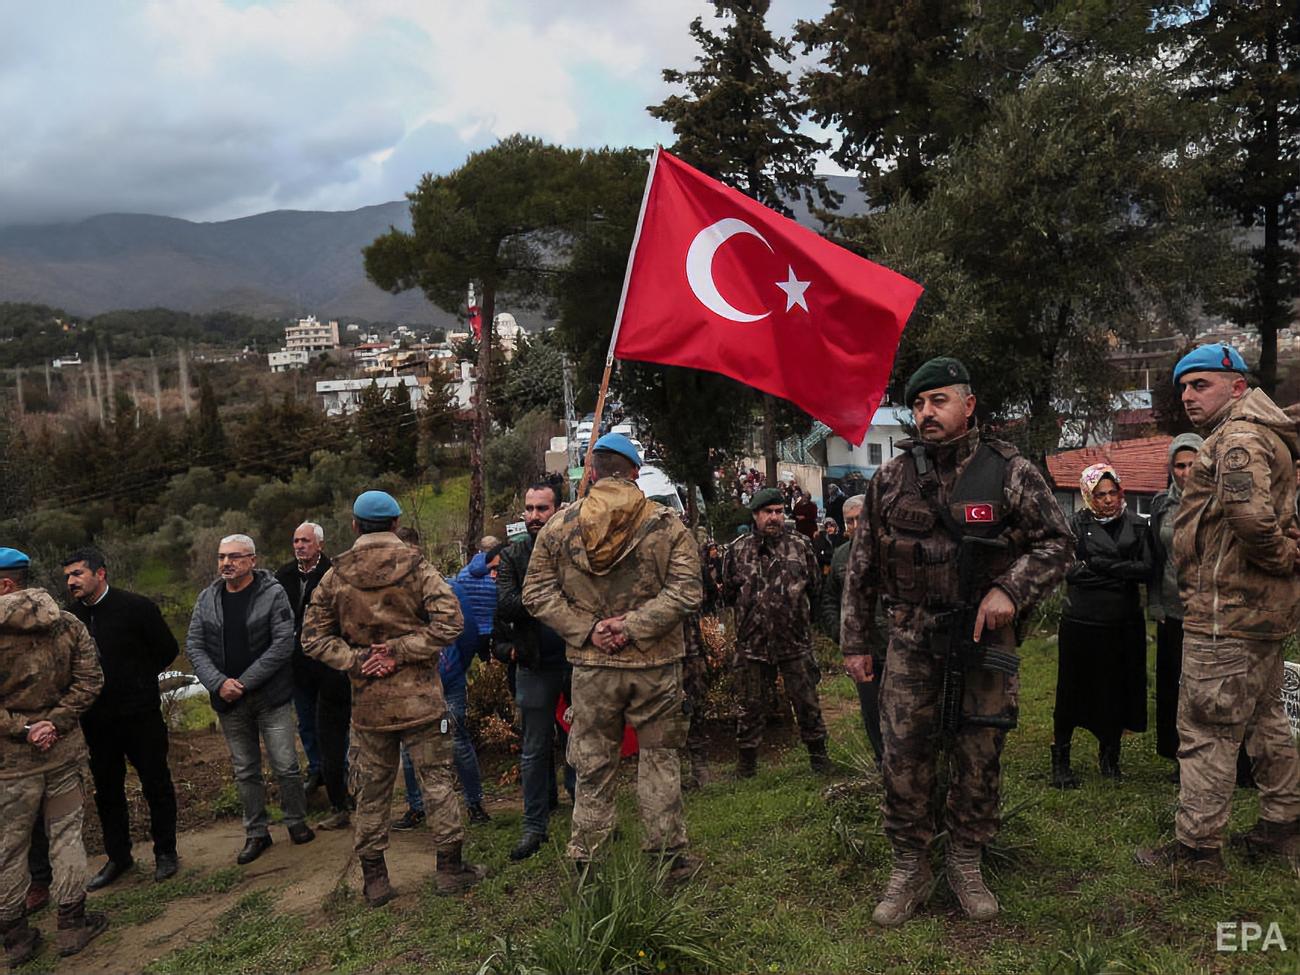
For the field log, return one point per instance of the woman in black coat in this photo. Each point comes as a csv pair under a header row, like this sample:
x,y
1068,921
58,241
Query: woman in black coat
x,y
1101,682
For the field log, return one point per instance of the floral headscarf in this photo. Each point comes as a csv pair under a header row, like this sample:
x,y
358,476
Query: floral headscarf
x,y
1088,482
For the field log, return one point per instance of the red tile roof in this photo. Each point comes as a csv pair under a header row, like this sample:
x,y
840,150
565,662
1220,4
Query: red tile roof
x,y
1143,465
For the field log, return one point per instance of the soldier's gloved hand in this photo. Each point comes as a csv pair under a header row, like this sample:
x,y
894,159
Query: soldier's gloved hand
x,y
858,666
996,611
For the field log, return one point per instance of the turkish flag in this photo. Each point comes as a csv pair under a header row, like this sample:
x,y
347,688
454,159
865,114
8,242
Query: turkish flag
x,y
979,512
720,282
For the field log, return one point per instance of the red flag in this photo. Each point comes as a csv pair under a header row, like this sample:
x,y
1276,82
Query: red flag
x,y
720,282
475,322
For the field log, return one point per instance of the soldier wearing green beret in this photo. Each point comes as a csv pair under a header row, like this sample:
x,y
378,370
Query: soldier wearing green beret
x,y
771,577
959,536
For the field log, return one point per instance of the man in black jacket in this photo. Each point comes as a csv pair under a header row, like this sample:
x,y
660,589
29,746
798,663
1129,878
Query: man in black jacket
x,y
542,676
125,724
322,696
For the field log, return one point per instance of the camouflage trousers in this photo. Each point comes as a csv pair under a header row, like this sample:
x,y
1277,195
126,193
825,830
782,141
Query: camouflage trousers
x,y
1231,692
59,796
375,759
910,727
756,681
652,701
695,682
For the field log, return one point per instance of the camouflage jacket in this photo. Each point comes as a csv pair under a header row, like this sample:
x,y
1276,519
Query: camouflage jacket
x,y
382,591
1236,565
773,584
896,514
615,553
49,671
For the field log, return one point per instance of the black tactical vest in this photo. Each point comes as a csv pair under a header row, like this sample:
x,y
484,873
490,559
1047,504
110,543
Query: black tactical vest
x,y
922,533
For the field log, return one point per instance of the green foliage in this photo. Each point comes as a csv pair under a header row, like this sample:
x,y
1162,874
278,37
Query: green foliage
x,y
532,380
621,923
515,459
388,429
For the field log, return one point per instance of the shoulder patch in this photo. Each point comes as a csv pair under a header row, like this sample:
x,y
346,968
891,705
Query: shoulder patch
x,y
1236,459
1238,486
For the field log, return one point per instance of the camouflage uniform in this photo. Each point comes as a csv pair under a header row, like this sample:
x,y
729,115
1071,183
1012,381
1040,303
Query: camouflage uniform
x,y
829,620
903,553
773,583
382,591
617,553
49,671
1237,580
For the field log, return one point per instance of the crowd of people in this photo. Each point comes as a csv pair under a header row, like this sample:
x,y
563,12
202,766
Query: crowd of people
x,y
596,613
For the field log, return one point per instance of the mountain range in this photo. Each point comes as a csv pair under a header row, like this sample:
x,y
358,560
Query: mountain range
x,y
272,265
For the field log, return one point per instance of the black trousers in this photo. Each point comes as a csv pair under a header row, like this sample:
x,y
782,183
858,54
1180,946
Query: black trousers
x,y
140,739
869,702
333,717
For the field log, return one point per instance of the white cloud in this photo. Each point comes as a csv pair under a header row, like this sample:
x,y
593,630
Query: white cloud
x,y
209,109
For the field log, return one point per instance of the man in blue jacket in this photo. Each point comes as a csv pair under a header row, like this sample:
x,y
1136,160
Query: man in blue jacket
x,y
240,642
478,581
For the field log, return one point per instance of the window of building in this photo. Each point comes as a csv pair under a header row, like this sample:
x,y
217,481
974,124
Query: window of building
x,y
874,454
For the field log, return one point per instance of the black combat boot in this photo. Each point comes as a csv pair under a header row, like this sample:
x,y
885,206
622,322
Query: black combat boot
x,y
78,927
375,886
1063,776
747,765
818,759
21,941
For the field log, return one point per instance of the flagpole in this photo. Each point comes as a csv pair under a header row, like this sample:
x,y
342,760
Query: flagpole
x,y
618,323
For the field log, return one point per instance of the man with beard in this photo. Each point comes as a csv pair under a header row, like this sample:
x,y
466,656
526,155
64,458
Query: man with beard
x,y
542,674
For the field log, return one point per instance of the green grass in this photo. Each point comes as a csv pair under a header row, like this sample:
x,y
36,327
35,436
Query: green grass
x,y
141,904
793,870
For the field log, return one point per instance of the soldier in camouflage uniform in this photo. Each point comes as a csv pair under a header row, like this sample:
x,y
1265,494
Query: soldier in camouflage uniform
x,y
829,619
383,614
695,681
948,492
616,575
771,578
1236,553
49,676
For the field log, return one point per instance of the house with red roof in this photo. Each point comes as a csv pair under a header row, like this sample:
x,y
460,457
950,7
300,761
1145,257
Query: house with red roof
x,y
1142,466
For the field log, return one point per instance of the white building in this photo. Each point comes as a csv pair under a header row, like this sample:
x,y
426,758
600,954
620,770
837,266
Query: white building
x,y
508,333
340,397
287,359
309,335
463,386
843,459
67,360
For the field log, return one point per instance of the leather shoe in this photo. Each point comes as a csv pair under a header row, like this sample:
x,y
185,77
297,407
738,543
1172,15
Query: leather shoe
x,y
38,895
254,847
165,866
301,833
109,872
528,844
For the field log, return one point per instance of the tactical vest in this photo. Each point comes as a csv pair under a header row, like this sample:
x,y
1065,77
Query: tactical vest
x,y
922,535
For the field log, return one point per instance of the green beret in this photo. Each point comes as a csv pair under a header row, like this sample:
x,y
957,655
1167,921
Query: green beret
x,y
763,498
943,371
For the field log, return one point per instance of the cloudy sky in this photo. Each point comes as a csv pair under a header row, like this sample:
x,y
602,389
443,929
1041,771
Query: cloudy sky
x,y
213,109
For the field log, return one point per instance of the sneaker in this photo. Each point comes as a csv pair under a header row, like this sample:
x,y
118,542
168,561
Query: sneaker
x,y
409,820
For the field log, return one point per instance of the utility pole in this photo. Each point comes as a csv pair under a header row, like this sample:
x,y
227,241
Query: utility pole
x,y
570,427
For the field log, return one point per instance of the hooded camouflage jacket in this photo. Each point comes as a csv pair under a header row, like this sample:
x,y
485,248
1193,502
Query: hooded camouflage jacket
x,y
773,584
1236,565
613,553
49,671
382,591
1040,547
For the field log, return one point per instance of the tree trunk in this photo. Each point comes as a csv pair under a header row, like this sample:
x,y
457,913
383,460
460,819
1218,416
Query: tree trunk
x,y
1273,313
692,509
478,436
769,438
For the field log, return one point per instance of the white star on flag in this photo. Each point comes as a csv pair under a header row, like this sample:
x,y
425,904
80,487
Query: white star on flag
x,y
794,289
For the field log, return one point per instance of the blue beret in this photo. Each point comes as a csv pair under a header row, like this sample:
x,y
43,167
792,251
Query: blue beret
x,y
11,558
1210,358
619,444
375,506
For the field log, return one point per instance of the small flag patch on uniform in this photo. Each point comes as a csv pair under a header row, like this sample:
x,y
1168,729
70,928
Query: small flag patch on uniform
x,y
980,512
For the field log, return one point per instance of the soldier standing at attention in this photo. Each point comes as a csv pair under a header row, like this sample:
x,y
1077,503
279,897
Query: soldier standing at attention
x,y
49,676
382,614
616,575
771,577
1236,553
953,512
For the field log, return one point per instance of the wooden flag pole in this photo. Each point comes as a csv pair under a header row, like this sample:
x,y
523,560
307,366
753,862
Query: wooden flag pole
x,y
618,323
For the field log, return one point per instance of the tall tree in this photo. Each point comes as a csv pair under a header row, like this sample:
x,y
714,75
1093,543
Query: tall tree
x,y
499,220
903,84
1244,58
739,122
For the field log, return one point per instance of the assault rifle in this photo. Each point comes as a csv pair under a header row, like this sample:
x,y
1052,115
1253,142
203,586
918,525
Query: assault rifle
x,y
955,636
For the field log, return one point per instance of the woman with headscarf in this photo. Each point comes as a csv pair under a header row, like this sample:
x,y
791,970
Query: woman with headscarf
x,y
1163,603
1101,681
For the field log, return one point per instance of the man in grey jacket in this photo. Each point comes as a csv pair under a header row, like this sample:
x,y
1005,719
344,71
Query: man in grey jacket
x,y
240,643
